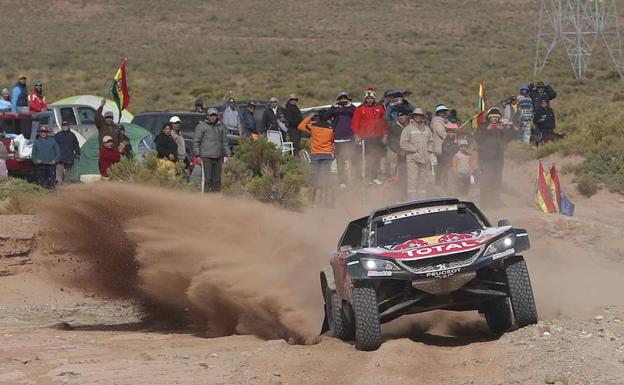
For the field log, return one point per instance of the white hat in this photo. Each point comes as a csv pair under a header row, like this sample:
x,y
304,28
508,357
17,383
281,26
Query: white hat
x,y
441,107
107,138
175,119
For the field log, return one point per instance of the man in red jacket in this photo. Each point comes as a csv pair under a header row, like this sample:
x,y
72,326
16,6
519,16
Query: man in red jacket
x,y
36,100
370,130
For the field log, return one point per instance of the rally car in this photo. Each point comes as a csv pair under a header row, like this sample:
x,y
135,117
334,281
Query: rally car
x,y
424,255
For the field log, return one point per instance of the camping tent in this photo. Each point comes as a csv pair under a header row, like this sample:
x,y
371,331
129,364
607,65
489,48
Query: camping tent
x,y
94,101
140,139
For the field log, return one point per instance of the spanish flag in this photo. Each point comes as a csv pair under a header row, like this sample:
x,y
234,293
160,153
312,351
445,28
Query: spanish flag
x,y
119,88
544,191
480,106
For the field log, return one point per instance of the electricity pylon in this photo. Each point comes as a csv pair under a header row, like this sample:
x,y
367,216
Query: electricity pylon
x,y
578,25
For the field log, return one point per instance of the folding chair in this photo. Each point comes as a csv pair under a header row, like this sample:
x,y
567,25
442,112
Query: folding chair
x,y
275,137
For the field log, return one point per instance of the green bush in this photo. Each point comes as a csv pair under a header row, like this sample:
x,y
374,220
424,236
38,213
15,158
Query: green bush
x,y
148,172
606,164
260,171
18,196
587,184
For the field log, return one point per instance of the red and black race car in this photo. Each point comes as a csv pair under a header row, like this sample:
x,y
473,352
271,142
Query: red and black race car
x,y
424,255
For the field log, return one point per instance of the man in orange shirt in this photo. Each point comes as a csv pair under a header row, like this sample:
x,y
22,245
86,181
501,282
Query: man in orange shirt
x,y
321,154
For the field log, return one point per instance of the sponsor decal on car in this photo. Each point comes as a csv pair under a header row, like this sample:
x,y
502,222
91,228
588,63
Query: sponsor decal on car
x,y
503,253
379,273
443,273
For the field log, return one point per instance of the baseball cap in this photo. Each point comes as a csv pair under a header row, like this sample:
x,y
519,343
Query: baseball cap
x,y
175,119
23,76
418,111
212,111
64,122
107,138
441,107
109,114
42,128
273,99
292,97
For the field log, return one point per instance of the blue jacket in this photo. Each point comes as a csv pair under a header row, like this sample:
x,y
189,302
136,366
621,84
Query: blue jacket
x,y
68,145
5,107
19,97
392,111
249,124
341,121
45,151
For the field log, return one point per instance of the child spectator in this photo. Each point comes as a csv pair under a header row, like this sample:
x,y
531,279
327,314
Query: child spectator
x,y
463,167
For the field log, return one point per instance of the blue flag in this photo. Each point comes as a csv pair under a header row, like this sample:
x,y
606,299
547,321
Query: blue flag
x,y
567,207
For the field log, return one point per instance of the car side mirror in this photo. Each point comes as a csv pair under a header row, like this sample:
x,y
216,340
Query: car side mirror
x,y
345,248
504,222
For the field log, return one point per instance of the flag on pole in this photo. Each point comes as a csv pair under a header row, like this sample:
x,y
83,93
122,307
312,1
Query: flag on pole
x,y
555,187
544,192
119,88
480,106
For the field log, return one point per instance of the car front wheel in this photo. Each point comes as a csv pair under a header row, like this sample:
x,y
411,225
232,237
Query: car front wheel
x,y
366,314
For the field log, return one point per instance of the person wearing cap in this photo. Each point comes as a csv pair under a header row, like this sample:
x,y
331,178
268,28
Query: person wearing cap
x,y
109,154
249,126
417,143
341,115
370,130
106,125
540,91
491,137
45,155
5,102
70,152
199,106
176,134
525,103
269,116
321,155
210,144
19,97
396,105
231,115
463,167
293,117
36,100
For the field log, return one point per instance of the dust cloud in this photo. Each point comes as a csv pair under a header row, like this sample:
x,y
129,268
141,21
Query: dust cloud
x,y
226,266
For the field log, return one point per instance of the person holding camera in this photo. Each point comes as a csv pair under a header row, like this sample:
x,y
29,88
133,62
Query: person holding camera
x,y
340,115
397,104
545,122
540,91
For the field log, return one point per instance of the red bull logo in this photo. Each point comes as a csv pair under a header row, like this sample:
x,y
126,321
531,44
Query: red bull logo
x,y
411,244
453,237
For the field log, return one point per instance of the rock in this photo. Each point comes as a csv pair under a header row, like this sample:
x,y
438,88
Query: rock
x,y
277,374
555,379
547,334
214,355
598,318
549,378
62,326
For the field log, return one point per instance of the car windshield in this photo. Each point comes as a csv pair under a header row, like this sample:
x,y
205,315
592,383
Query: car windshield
x,y
393,232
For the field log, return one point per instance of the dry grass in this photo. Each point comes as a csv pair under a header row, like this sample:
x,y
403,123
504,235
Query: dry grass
x,y
179,51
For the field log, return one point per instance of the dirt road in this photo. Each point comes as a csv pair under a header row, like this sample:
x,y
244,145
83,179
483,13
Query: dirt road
x,y
54,333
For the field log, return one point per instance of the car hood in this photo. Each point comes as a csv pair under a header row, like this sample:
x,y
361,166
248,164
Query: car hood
x,y
437,245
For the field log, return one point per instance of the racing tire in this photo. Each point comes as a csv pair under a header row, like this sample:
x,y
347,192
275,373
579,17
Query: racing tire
x,y
339,325
498,315
520,291
366,314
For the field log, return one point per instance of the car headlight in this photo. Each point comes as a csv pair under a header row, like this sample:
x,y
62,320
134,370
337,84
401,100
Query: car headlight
x,y
501,245
378,264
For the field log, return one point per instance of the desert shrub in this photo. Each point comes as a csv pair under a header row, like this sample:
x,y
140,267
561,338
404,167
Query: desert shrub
x,y
260,171
148,172
587,184
18,196
605,164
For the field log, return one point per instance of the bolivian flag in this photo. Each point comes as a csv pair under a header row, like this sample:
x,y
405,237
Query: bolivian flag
x,y
545,191
480,106
119,88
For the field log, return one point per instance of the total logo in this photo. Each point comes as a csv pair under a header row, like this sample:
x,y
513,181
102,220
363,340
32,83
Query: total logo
x,y
428,251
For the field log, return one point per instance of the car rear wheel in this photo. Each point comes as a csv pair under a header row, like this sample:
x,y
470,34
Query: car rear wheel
x,y
498,315
339,325
366,314
520,291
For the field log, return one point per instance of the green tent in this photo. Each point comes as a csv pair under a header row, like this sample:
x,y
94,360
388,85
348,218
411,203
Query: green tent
x,y
140,139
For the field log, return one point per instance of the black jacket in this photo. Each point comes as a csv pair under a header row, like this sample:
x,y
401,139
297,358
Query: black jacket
x,y
165,146
68,144
269,119
548,94
491,142
293,116
549,119
248,121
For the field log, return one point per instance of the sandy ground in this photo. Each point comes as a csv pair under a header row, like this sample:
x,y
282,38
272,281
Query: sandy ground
x,y
52,333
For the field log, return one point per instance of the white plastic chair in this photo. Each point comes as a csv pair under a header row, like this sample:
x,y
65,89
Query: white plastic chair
x,y
275,137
